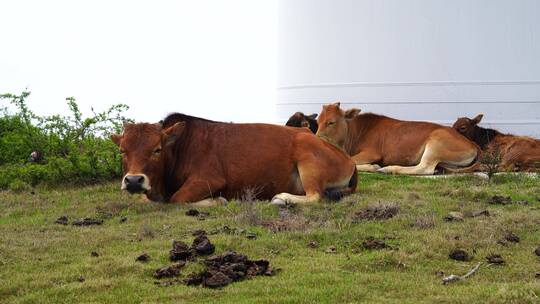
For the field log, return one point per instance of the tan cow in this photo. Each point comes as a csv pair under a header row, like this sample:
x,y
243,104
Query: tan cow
x,y
380,143
515,152
189,160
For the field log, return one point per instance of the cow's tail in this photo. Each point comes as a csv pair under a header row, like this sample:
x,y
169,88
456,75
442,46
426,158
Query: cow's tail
x,y
469,169
337,194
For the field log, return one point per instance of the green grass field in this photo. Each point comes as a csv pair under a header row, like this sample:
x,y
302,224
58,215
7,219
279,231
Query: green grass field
x,y
44,262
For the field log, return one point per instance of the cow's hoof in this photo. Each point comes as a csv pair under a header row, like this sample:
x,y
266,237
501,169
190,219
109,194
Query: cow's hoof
x,y
278,202
222,201
383,170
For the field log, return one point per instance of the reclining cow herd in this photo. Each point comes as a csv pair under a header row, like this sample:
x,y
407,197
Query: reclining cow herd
x,y
186,159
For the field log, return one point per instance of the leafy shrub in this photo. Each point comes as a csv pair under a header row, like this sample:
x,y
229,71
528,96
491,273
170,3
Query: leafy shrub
x,y
74,148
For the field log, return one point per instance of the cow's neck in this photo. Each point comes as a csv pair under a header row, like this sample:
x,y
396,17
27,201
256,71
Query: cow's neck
x,y
182,153
357,128
483,136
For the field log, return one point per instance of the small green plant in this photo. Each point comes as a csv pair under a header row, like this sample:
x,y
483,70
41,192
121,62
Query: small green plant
x,y
69,148
491,162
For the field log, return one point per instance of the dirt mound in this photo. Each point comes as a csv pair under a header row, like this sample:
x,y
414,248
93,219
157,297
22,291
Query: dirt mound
x,y
229,267
376,212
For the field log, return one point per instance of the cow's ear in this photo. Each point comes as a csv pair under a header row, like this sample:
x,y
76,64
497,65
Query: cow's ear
x,y
116,138
313,116
173,132
351,113
337,104
477,119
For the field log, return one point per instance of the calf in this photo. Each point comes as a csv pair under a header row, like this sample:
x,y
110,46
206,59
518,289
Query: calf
x,y
299,120
514,152
380,143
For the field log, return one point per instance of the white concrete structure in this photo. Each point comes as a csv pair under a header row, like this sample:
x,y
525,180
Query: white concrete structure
x,y
416,59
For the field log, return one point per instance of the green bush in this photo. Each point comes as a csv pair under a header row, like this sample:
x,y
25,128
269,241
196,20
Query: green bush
x,y
74,149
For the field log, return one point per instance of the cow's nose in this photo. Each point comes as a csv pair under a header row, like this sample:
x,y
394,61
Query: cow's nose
x,y
134,183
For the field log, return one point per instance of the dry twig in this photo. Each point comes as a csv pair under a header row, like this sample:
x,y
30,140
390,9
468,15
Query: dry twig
x,y
453,278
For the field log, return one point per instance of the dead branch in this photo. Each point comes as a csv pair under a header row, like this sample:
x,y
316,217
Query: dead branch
x,y
453,278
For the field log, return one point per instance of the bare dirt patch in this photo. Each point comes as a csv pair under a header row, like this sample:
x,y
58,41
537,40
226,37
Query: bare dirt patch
x,y
372,243
376,212
424,222
288,221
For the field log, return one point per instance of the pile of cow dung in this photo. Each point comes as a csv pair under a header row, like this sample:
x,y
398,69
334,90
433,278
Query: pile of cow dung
x,y
63,220
220,270
229,267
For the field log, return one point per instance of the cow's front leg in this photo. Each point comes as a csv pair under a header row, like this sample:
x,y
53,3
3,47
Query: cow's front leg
x,y
199,192
366,161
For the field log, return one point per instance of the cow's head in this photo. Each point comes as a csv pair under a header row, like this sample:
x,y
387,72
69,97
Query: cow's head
x,y
144,148
300,120
333,123
466,125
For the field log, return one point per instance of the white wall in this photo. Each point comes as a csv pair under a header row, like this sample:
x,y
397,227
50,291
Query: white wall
x,y
417,59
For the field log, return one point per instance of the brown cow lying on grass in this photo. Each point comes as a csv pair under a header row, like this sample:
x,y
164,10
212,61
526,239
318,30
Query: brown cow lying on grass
x,y
514,152
190,160
406,147
300,120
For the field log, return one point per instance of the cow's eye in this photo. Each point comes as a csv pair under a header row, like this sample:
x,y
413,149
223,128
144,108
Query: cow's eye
x,y
157,151
331,123
463,129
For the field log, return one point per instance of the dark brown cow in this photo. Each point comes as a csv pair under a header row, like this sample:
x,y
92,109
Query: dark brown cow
x,y
406,147
515,152
189,160
300,120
